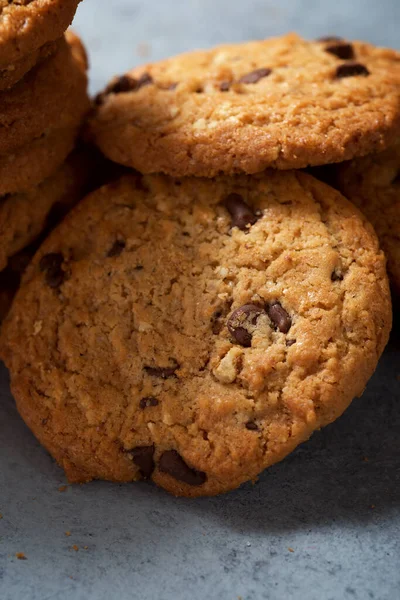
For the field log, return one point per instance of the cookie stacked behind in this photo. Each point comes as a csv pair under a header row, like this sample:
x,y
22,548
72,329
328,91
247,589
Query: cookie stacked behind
x,y
202,327
43,101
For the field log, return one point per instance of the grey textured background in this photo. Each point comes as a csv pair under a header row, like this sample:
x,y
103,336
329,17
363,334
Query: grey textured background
x,y
142,543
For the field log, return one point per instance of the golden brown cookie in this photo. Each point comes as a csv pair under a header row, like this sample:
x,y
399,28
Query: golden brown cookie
x,y
28,166
52,95
283,102
196,331
373,184
16,71
26,25
24,216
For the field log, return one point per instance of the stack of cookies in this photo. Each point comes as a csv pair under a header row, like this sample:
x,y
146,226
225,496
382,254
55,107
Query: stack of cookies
x,y
195,320
43,100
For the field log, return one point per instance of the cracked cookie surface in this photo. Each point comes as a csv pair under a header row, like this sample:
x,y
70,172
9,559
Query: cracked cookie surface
x,y
26,25
283,103
196,331
373,184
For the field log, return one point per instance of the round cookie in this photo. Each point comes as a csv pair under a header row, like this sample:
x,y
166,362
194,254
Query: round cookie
x,y
196,331
373,184
28,166
53,94
26,25
283,102
23,217
16,71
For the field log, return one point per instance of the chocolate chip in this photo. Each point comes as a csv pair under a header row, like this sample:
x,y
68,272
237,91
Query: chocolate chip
x,y
290,343
241,213
337,276
242,321
162,372
343,51
51,265
255,76
125,83
173,464
225,86
330,38
251,426
351,69
148,401
279,317
116,249
145,79
143,457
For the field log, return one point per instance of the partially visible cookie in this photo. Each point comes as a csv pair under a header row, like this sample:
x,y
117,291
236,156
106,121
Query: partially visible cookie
x,y
52,95
26,25
16,71
28,166
196,331
23,217
283,102
373,184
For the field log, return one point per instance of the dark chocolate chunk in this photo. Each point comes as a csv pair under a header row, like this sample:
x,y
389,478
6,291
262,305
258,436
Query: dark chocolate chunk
x,y
290,343
242,321
255,76
330,38
251,426
341,50
116,249
148,401
51,265
279,317
173,464
351,69
337,276
241,213
143,457
162,372
225,86
125,83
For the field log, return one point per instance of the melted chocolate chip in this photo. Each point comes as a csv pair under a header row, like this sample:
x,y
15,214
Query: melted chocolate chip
x,y
162,372
173,464
290,343
148,401
241,323
251,426
342,50
51,265
337,276
351,69
225,86
143,457
255,76
241,213
279,317
116,249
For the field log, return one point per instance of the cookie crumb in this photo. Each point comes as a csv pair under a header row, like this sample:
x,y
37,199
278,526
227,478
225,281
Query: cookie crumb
x,y
291,549
75,547
62,488
86,547
372,506
67,533
20,556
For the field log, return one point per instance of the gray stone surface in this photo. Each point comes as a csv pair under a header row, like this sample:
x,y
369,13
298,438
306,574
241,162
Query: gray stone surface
x,y
142,543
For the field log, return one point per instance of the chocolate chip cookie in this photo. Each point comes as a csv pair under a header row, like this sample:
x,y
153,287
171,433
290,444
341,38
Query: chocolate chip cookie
x,y
283,102
23,217
51,95
196,331
373,184
14,72
26,25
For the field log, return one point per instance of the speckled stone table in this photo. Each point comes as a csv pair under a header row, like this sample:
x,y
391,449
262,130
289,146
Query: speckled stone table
x,y
323,525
